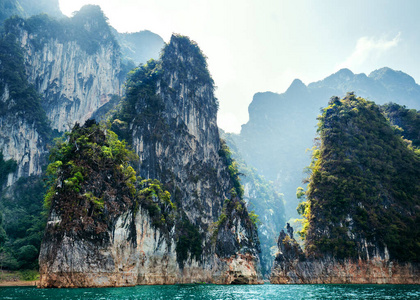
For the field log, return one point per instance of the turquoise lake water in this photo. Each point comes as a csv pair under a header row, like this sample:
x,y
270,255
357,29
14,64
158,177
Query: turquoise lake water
x,y
266,291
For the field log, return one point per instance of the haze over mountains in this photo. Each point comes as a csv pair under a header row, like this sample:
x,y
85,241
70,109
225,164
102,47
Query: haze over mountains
x,y
26,8
281,127
68,70
138,47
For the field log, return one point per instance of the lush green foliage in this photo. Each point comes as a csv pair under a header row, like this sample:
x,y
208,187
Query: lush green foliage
x,y
303,209
408,120
141,84
21,206
29,275
158,203
78,186
364,184
232,166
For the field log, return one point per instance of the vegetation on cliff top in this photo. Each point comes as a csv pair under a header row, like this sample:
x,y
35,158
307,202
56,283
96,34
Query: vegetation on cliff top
x,y
184,57
142,83
406,121
91,183
151,91
364,185
90,174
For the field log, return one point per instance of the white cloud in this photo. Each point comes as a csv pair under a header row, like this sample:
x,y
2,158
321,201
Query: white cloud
x,y
367,49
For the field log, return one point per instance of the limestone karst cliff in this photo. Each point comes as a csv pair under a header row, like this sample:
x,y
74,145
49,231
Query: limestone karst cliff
x,y
204,233
73,63
362,203
24,130
75,66
52,74
49,70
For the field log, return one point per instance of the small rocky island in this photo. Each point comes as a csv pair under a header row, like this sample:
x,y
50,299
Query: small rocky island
x,y
362,205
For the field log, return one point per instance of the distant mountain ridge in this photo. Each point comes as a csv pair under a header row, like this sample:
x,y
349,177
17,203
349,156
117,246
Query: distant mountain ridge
x,y
382,86
282,126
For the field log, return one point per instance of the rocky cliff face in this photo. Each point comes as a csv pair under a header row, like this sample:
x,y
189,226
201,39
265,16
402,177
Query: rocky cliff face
x,y
174,132
74,64
21,141
74,84
24,130
69,68
64,70
292,267
362,203
197,230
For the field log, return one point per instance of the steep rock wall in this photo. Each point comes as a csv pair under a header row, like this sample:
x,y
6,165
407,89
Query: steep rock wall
x,y
24,128
74,84
20,141
52,68
104,231
174,131
292,267
74,64
73,262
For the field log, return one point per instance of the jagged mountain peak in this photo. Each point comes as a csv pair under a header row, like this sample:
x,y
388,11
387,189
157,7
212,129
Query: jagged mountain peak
x,y
183,55
341,75
296,86
388,75
182,42
344,72
90,11
93,19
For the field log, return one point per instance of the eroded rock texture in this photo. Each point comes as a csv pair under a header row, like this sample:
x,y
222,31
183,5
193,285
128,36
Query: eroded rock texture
x,y
291,266
169,117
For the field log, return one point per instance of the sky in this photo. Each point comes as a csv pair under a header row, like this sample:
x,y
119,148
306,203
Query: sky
x,y
263,45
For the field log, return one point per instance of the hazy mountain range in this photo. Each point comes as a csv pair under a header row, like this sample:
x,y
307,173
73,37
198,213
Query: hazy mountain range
x,y
281,127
